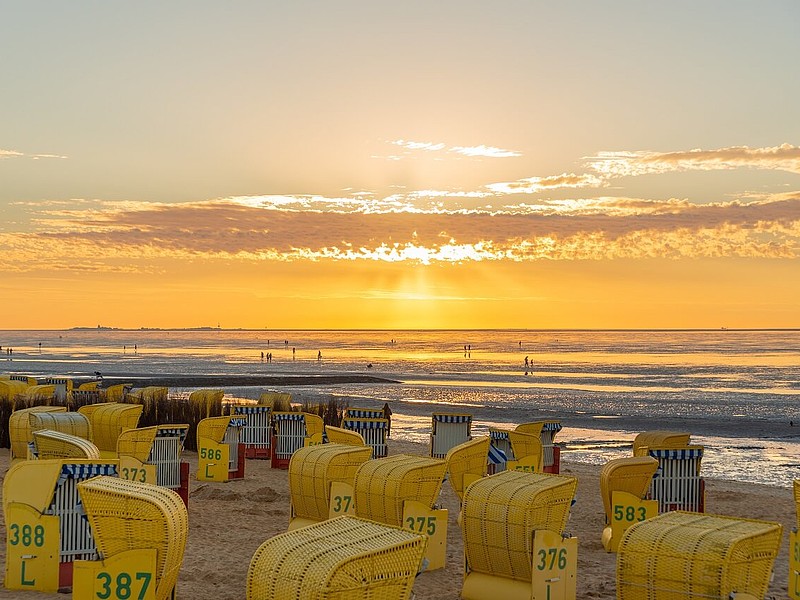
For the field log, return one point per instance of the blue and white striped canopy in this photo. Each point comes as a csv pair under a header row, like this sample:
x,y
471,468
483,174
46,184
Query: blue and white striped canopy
x,y
237,422
679,454
364,413
251,410
496,456
552,426
498,434
444,418
288,417
85,471
355,424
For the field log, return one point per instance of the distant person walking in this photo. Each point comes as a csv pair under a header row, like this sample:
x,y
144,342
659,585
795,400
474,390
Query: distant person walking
x,y
319,355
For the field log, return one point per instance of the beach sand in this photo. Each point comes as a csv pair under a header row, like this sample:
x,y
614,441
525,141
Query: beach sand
x,y
228,521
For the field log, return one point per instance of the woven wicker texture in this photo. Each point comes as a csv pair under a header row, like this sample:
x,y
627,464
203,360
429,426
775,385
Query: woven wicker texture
x,y
689,555
137,442
214,428
500,514
19,428
127,515
56,444
630,474
372,430
341,559
469,458
383,485
338,435
524,445
66,422
797,500
659,439
314,425
314,468
109,420
534,428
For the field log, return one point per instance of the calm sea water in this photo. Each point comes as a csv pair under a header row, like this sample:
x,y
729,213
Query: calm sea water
x,y
737,392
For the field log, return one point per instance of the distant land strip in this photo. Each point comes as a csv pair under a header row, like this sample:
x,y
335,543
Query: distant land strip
x,y
206,381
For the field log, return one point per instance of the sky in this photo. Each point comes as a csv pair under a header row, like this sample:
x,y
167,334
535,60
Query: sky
x,y
417,164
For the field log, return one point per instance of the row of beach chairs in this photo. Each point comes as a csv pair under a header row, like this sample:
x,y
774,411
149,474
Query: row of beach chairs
x,y
513,525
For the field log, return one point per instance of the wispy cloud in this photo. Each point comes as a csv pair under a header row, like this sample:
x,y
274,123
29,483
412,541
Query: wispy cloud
x,y
623,164
532,185
488,151
15,154
480,151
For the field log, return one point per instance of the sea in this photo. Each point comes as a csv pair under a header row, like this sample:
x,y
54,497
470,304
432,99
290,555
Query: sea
x,y
736,391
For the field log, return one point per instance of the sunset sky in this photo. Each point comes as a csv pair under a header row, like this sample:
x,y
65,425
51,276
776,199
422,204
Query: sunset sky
x,y
417,164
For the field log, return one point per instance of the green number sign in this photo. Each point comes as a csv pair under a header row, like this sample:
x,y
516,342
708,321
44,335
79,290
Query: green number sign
x,y
123,586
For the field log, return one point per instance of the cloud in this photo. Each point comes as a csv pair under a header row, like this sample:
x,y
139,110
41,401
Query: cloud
x,y
253,230
488,151
480,151
532,185
624,164
15,154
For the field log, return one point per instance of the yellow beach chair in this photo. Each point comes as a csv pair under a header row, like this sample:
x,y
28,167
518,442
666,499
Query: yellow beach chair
x,y
373,430
20,432
546,430
291,431
321,482
512,524
55,444
108,420
340,559
681,555
153,455
257,431
46,528
623,485
140,531
401,491
659,439
449,430
337,435
467,463
527,451
220,456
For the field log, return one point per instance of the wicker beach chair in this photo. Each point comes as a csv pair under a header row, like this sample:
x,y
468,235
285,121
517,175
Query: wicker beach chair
x,y
677,484
630,476
337,435
373,430
108,421
383,486
401,491
131,519
72,423
681,555
659,439
527,450
500,451
340,559
153,455
512,524
257,431
220,456
46,527
546,430
56,444
467,463
447,431
19,429
313,471
293,430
